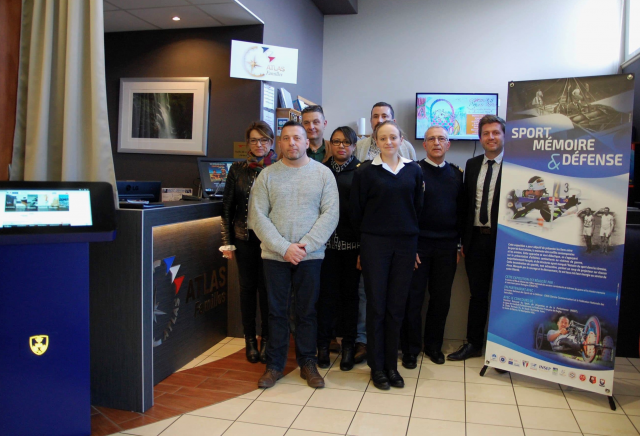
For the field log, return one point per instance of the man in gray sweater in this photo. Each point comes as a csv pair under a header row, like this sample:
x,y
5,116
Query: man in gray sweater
x,y
293,210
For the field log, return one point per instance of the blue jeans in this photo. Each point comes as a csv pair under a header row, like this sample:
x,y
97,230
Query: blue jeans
x,y
283,278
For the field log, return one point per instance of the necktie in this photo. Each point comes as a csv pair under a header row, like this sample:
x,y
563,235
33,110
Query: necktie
x,y
484,205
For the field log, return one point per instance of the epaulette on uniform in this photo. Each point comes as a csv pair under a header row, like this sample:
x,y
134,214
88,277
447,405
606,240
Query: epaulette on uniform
x,y
456,166
358,164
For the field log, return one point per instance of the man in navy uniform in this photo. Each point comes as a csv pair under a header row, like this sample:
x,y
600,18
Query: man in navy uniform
x,y
440,229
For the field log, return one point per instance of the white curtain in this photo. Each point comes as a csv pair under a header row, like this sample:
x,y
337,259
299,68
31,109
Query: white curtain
x,y
62,130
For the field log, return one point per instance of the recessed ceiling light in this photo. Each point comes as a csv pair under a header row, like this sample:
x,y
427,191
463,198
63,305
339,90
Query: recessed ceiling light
x,y
176,18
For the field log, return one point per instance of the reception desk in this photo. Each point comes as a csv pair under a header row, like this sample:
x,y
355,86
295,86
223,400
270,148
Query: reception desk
x,y
158,299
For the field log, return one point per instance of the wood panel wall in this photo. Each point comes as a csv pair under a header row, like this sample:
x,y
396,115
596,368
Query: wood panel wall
x,y
10,18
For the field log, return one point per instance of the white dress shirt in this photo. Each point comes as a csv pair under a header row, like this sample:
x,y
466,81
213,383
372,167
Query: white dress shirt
x,y
430,162
378,161
492,187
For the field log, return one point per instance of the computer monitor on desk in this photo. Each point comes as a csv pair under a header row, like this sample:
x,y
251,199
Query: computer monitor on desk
x,y
134,190
213,175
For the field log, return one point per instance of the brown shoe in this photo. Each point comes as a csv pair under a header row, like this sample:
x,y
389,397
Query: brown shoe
x,y
309,372
269,378
361,352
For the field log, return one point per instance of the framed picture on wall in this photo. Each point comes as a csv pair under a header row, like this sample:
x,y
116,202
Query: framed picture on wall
x,y
168,115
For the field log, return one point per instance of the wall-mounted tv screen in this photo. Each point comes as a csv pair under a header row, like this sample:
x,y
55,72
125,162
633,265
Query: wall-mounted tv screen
x,y
457,113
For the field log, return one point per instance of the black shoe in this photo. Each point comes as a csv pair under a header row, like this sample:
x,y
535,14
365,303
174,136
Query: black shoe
x,y
395,379
409,361
464,352
380,380
263,349
324,360
436,356
360,354
253,355
346,364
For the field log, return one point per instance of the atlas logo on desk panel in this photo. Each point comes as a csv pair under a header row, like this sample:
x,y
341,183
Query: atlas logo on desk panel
x,y
196,289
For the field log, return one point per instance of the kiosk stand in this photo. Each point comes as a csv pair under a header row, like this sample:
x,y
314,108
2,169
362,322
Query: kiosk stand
x,y
45,230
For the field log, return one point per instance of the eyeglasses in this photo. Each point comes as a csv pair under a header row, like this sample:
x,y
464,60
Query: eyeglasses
x,y
438,138
337,142
263,141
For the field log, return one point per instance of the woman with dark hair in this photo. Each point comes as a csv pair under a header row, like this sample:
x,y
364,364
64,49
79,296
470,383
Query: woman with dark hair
x,y
236,236
386,200
339,277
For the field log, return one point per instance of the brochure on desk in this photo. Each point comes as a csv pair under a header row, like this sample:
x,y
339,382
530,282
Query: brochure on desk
x,y
560,244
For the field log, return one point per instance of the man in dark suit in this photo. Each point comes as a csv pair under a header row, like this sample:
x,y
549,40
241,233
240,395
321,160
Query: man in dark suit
x,y
482,188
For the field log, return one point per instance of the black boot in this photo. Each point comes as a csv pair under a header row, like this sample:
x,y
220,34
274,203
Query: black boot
x,y
252,349
263,349
346,364
324,359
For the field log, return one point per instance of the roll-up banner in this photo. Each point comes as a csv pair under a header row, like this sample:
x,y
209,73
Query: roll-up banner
x,y
556,282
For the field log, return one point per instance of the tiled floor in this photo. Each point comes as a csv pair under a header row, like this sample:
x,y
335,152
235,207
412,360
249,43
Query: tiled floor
x,y
451,399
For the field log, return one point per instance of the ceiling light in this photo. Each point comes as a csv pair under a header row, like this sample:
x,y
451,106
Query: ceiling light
x,y
176,18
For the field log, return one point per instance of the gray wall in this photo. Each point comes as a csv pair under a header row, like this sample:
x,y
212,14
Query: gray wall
x,y
203,52
295,24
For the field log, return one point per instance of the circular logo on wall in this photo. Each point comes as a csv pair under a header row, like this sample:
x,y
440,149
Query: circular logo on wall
x,y
166,301
256,60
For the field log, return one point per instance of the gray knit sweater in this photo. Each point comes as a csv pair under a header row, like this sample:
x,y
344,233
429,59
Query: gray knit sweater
x,y
290,205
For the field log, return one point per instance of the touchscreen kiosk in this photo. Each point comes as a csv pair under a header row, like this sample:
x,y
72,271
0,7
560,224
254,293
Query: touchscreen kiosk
x,y
41,212
213,175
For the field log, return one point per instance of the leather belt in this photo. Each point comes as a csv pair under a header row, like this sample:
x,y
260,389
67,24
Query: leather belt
x,y
482,230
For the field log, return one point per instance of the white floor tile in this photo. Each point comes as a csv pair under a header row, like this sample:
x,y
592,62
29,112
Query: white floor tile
x,y
276,414
227,350
490,394
342,380
409,373
386,404
630,404
474,362
323,420
409,388
437,408
427,361
493,414
451,345
152,429
548,419
626,387
296,432
336,399
226,340
589,402
491,377
524,381
246,429
293,378
492,430
197,426
634,361
628,372
252,395
440,389
423,427
288,394
635,420
442,372
534,432
621,361
211,350
230,409
210,359
371,424
552,398
605,424
237,341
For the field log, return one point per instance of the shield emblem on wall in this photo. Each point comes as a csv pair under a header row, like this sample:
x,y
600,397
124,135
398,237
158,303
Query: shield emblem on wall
x,y
39,344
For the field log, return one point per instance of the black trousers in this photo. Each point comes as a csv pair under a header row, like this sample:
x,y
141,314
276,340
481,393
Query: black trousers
x,y
251,275
338,301
387,266
437,269
479,263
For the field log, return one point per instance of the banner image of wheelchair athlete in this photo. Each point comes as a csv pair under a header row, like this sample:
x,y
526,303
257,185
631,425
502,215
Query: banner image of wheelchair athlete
x,y
556,281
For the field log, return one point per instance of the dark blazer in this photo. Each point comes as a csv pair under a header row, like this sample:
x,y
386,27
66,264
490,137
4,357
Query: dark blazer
x,y
471,173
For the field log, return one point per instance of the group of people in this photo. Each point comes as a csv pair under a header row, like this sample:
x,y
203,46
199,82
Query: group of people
x,y
343,236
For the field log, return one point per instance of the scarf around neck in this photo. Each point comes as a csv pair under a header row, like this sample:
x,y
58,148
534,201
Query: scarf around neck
x,y
337,167
258,163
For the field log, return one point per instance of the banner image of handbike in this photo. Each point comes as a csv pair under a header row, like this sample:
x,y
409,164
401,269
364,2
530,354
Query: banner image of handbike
x,y
561,227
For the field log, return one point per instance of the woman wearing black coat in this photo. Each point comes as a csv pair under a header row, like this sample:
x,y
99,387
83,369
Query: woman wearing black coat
x,y
237,237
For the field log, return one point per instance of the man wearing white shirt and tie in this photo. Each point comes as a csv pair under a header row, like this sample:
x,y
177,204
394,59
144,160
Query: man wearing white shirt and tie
x,y
482,188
